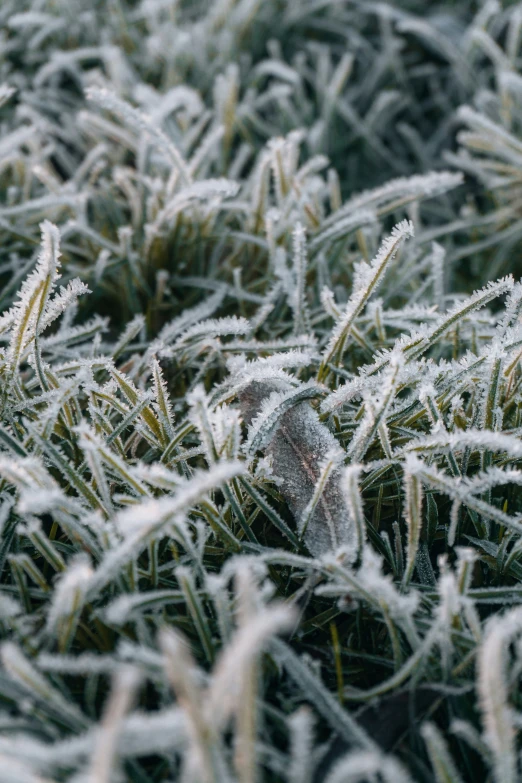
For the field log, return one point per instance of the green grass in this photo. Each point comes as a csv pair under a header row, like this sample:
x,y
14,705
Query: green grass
x,y
260,392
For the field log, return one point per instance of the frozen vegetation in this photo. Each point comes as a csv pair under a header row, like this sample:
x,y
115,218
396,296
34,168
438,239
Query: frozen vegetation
x,y
260,391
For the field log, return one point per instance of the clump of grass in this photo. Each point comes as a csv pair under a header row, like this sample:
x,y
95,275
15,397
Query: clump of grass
x,y
260,509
